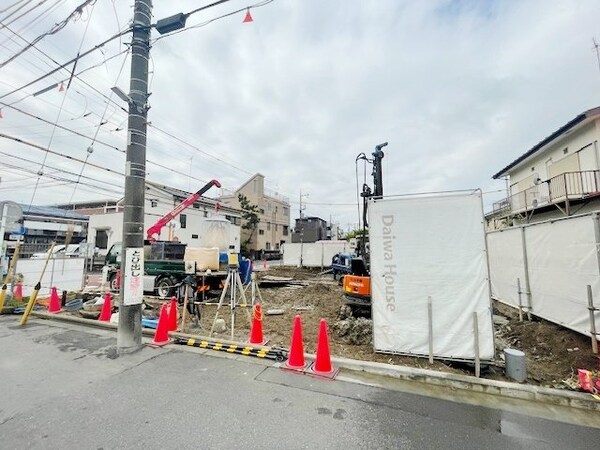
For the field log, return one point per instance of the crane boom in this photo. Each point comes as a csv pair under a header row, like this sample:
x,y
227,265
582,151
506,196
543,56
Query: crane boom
x,y
154,231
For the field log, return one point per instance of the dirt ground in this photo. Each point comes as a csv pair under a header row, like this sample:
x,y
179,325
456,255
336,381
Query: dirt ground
x,y
553,353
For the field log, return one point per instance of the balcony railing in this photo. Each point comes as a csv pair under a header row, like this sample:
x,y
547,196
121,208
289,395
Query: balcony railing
x,y
562,188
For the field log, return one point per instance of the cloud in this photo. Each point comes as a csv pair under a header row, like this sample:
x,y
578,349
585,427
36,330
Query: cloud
x,y
458,89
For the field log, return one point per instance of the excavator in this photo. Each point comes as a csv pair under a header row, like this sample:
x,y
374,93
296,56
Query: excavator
x,y
357,283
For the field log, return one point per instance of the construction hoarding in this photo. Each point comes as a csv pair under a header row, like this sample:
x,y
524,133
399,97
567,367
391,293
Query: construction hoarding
x,y
63,273
553,262
314,254
430,250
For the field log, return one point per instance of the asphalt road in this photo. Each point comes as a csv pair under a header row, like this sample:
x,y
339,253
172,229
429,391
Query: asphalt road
x,y
63,387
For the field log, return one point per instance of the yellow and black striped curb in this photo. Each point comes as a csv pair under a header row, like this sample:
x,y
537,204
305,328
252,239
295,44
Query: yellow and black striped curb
x,y
259,352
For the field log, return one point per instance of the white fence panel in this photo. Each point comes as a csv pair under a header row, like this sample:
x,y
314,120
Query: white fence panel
x,y
562,261
314,254
62,273
430,246
505,252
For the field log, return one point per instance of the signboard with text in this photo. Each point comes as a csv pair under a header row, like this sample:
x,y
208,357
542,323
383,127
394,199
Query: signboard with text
x,y
133,286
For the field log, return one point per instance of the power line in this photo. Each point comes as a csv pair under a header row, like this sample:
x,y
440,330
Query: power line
x,y
60,170
45,149
255,5
16,10
79,56
12,6
76,13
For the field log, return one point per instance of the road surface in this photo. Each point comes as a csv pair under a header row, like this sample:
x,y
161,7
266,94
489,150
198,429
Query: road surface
x,y
63,387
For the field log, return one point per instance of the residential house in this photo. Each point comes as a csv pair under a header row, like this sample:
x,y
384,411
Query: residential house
x,y
310,229
559,176
273,228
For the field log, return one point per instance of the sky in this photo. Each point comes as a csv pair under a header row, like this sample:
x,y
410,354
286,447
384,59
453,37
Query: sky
x,y
458,88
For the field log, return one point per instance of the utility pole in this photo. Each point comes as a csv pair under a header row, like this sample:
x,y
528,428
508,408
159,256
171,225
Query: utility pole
x,y
129,332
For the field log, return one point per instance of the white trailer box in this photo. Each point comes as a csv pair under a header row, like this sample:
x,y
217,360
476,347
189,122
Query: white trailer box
x,y
423,247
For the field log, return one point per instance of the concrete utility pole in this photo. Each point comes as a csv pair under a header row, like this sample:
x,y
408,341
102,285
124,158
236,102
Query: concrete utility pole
x,y
129,333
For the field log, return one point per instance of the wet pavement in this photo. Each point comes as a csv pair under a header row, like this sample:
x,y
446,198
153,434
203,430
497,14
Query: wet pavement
x,y
64,387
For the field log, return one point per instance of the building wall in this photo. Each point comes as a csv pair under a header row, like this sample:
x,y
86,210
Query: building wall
x,y
274,215
188,225
581,154
310,229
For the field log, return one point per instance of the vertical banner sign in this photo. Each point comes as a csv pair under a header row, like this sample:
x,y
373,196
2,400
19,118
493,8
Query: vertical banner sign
x,y
133,287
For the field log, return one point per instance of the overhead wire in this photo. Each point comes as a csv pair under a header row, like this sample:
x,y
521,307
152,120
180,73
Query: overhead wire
x,y
207,22
25,13
89,153
12,6
77,12
16,10
39,17
62,66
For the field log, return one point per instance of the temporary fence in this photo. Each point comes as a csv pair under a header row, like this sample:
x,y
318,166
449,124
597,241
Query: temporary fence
x,y
545,269
66,274
314,254
429,276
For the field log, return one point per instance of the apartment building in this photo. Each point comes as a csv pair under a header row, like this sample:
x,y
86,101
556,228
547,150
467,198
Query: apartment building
x,y
273,228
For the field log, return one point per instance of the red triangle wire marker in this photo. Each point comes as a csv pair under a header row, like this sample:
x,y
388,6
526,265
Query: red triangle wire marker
x,y
248,17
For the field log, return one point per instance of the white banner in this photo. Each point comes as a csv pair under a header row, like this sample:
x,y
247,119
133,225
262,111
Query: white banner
x,y
133,287
430,246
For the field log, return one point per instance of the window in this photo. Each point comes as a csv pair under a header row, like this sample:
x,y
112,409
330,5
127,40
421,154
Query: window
x,y
196,206
268,226
276,209
269,206
565,150
262,211
286,211
275,227
285,230
153,202
183,220
261,232
194,236
276,246
268,246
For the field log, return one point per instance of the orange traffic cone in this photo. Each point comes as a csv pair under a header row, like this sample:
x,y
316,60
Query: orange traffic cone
x,y
161,337
256,330
173,314
54,305
18,292
296,359
322,365
106,309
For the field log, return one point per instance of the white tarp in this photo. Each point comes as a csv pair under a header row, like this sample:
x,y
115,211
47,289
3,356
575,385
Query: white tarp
x,y
62,273
314,254
430,246
505,252
561,260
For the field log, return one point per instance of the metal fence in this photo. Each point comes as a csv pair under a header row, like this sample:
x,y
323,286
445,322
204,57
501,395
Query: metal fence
x,y
561,188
